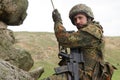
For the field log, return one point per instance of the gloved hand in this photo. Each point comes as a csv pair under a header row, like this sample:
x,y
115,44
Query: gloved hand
x,y
56,16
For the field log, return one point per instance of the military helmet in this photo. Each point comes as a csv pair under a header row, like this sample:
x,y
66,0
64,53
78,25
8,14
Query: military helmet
x,y
80,8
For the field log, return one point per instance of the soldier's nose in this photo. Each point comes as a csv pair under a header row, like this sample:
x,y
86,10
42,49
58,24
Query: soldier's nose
x,y
77,21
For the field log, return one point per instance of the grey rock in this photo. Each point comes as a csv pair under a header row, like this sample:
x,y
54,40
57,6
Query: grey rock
x,y
13,12
37,73
10,72
18,57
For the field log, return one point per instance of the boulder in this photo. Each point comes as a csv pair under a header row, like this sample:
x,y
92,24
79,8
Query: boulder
x,y
18,57
10,72
13,12
6,35
14,62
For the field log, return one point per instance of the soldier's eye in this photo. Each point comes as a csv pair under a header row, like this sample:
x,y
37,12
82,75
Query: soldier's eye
x,y
80,17
75,19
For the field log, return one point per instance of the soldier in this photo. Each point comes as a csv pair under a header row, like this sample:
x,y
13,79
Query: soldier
x,y
89,39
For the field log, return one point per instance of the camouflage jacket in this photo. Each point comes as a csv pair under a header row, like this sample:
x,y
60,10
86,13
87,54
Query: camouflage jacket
x,y
89,39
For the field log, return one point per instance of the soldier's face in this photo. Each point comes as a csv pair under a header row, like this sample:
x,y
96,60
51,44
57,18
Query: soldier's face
x,y
80,20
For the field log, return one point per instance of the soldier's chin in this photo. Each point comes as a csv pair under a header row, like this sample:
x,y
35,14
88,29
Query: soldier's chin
x,y
79,27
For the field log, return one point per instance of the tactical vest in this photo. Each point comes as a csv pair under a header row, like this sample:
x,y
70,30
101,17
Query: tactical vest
x,y
95,65
93,54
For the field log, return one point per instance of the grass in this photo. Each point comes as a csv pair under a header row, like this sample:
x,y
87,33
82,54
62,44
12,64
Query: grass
x,y
43,49
112,54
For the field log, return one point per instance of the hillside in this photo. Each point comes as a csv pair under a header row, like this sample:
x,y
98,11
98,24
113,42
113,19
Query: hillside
x,y
43,48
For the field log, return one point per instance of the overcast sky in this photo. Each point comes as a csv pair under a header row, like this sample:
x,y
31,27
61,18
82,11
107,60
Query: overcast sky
x,y
39,18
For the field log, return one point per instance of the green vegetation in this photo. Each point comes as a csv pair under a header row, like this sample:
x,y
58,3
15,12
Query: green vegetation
x,y
43,49
112,54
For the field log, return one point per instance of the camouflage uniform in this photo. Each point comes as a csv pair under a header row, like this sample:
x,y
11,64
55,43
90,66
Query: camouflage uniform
x,y
89,39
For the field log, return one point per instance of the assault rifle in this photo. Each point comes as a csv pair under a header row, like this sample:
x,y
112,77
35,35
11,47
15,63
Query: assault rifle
x,y
73,62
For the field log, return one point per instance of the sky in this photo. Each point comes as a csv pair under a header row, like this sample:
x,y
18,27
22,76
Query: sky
x,y
39,18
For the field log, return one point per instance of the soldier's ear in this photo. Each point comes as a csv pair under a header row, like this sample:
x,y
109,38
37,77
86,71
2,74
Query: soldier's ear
x,y
89,19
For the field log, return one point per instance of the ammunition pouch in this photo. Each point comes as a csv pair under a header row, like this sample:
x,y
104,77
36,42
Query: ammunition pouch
x,y
103,71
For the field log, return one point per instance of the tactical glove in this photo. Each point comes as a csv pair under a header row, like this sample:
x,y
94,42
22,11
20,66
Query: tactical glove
x,y
56,16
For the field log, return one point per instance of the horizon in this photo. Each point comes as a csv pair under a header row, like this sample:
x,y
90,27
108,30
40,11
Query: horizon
x,y
53,33
39,17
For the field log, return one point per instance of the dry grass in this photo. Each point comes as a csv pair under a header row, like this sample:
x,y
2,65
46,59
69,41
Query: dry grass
x,y
43,49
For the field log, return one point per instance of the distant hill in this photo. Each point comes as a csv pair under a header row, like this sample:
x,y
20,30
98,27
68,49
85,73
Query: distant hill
x,y
43,48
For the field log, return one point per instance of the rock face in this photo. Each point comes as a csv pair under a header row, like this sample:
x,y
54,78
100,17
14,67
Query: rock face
x,y
14,63
10,72
13,12
8,52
